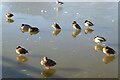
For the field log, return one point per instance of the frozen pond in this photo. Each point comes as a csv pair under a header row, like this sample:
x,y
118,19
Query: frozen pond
x,y
75,56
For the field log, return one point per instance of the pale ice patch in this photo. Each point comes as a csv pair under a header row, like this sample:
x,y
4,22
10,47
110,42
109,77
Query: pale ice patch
x,y
27,38
77,13
65,12
42,11
39,37
113,20
45,11
24,70
28,9
28,74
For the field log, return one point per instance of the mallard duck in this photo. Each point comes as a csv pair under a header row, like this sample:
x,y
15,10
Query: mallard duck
x,y
56,26
59,3
88,23
75,25
24,27
20,50
48,63
99,39
108,51
33,29
9,15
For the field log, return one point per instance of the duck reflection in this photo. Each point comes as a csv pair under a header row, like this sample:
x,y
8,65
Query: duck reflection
x,y
75,33
88,30
48,73
98,47
108,59
58,8
33,32
56,32
8,20
21,59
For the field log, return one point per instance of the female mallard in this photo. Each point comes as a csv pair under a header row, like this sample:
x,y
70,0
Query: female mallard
x,y
33,29
20,50
24,27
108,51
75,25
48,63
99,39
88,23
56,26
9,15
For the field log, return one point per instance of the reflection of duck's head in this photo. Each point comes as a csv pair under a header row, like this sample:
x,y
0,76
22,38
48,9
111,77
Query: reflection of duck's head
x,y
75,25
21,58
75,33
56,26
88,30
108,59
9,15
48,73
48,63
88,23
24,27
56,32
9,20
98,47
20,50
108,51
99,39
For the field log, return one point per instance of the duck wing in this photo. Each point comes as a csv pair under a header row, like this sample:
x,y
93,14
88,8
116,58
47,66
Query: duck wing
x,y
77,26
90,23
57,26
110,50
50,63
101,39
24,50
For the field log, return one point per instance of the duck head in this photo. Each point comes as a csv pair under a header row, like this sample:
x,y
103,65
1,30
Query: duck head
x,y
18,47
45,59
86,21
74,22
